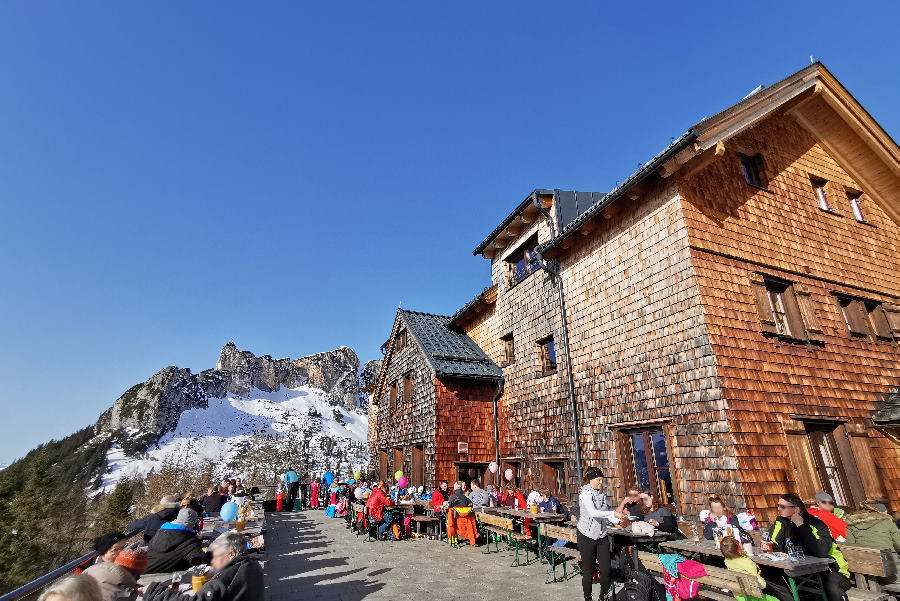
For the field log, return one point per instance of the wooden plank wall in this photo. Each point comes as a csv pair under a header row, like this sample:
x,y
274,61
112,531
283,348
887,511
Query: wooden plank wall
x,y
735,231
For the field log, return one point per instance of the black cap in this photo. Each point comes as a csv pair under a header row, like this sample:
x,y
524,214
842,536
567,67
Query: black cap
x,y
103,543
593,472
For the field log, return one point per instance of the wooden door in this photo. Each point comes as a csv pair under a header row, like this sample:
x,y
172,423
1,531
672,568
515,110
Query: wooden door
x,y
417,473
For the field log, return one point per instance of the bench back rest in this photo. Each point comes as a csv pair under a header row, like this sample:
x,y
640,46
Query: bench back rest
x,y
869,561
736,582
494,520
561,533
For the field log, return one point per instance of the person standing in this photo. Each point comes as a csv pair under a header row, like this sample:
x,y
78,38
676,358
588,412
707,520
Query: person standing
x,y
594,516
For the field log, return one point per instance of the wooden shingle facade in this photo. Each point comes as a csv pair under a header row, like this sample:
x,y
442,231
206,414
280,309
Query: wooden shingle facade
x,y
732,313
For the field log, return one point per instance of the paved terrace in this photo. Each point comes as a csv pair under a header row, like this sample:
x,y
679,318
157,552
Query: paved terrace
x,y
314,557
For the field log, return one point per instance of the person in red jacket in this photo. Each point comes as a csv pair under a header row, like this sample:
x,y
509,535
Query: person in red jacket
x,y
509,496
824,510
378,500
441,495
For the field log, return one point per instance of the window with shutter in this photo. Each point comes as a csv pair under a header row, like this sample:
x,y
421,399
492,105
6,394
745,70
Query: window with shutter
x,y
393,397
509,350
872,481
783,313
547,352
407,388
855,316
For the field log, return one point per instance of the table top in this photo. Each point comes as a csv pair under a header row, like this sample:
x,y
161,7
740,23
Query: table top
x,y
810,565
658,537
538,517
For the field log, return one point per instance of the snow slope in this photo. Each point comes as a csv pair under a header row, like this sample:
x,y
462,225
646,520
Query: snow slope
x,y
212,433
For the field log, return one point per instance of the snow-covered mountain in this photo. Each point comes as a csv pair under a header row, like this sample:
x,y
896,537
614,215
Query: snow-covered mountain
x,y
248,415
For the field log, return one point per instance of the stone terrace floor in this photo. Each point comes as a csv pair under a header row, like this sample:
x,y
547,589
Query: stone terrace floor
x,y
314,557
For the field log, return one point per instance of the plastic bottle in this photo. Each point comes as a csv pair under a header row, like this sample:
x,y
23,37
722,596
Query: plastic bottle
x,y
791,550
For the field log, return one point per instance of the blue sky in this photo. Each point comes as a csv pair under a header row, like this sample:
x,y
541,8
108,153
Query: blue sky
x,y
284,176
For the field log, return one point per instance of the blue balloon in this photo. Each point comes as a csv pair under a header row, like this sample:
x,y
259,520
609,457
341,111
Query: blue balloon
x,y
229,511
292,476
328,478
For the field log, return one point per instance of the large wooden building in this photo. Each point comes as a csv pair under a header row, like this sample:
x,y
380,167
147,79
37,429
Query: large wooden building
x,y
724,321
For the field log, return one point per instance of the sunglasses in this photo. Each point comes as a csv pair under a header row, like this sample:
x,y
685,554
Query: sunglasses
x,y
782,506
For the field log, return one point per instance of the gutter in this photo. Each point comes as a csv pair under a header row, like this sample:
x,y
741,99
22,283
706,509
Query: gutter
x,y
573,407
497,433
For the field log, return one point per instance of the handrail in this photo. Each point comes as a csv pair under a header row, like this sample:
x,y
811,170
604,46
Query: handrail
x,y
42,580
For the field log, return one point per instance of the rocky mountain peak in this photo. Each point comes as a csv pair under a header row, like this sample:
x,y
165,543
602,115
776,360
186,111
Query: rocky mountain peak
x,y
155,405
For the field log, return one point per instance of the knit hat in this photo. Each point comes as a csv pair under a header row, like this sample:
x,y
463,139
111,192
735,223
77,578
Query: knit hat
x,y
104,543
134,560
170,501
188,518
824,497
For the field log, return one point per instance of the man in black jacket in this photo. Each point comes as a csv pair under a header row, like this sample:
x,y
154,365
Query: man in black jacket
x,y
165,511
808,532
176,545
237,577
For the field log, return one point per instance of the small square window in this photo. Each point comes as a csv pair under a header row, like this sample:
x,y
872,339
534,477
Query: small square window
x,y
820,188
752,168
856,206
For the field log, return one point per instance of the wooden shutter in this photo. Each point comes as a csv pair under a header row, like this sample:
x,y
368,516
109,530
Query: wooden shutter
x,y
880,322
849,464
857,318
418,465
872,482
805,475
794,316
892,313
808,313
763,305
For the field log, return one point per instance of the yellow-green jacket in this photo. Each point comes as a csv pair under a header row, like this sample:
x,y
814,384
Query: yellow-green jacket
x,y
813,537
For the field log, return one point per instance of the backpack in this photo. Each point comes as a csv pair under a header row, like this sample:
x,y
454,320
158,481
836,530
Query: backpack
x,y
638,582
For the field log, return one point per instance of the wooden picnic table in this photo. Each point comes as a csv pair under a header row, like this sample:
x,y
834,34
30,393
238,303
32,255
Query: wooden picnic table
x,y
801,574
537,517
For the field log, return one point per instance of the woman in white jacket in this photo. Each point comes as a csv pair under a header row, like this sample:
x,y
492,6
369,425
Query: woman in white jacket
x,y
594,515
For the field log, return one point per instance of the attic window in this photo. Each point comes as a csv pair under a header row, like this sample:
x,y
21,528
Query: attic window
x,y
820,187
401,340
855,205
753,168
509,350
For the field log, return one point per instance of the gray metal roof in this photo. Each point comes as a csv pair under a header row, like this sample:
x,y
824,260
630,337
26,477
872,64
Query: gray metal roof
x,y
887,410
451,354
570,205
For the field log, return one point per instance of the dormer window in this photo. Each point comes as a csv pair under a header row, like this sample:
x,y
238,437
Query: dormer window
x,y
523,262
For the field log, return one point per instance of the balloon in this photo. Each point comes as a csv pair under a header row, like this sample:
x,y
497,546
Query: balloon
x,y
493,467
472,473
229,511
359,494
357,475
403,482
328,478
398,474
351,482
508,474
292,476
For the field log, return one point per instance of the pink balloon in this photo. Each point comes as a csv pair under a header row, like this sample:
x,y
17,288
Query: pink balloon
x,y
402,482
472,473
509,474
493,467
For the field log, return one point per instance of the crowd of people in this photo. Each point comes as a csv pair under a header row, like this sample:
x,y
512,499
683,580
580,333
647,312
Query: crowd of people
x,y
169,542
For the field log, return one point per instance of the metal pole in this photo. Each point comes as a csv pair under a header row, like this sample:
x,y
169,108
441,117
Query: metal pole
x,y
497,435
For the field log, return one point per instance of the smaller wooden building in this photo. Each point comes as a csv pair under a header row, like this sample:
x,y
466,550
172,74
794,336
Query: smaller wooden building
x,y
432,412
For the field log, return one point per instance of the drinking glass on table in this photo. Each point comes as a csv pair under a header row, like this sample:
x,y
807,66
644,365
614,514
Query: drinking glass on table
x,y
766,542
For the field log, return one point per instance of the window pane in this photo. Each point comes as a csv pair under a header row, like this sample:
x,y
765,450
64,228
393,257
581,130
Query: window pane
x,y
857,209
660,456
822,446
641,471
779,314
551,352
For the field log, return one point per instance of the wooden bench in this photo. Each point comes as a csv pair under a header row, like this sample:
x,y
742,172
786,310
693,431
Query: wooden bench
x,y
567,534
718,579
502,528
868,564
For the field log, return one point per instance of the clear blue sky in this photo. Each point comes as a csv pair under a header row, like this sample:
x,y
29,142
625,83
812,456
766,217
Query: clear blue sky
x,y
283,176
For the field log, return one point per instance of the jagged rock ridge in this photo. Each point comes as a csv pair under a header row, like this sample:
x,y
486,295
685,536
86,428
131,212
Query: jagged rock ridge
x,y
155,406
